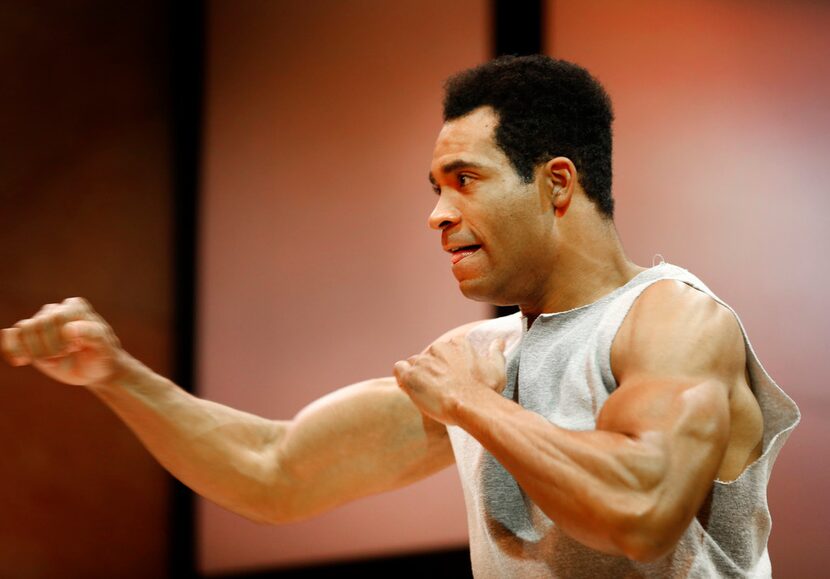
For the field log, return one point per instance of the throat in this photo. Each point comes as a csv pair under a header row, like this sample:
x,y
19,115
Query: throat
x,y
579,287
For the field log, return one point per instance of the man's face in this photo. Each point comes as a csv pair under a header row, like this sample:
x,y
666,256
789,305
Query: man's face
x,y
498,229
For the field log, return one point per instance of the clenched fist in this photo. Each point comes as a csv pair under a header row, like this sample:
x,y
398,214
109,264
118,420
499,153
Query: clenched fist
x,y
68,342
451,373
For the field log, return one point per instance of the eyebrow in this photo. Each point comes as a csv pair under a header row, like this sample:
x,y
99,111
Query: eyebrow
x,y
454,166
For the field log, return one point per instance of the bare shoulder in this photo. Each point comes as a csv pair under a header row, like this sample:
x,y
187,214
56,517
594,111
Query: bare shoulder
x,y
675,330
482,332
460,331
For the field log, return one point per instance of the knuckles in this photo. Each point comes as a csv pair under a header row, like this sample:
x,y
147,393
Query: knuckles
x,y
46,308
77,302
36,335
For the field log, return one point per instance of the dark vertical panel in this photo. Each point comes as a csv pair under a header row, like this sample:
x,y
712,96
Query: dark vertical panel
x,y
518,30
84,211
186,83
518,27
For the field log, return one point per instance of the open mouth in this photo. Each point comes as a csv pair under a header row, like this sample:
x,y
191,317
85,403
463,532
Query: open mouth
x,y
460,253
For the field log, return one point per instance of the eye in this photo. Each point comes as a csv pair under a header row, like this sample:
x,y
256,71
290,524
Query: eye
x,y
463,180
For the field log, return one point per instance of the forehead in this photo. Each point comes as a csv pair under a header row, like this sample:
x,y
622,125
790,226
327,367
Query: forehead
x,y
470,137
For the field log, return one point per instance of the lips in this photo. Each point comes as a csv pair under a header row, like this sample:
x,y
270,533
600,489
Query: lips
x,y
462,252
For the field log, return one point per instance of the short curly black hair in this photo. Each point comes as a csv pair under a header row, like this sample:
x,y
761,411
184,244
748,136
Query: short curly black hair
x,y
546,108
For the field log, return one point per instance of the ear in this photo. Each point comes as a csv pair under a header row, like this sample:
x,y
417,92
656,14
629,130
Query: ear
x,y
560,178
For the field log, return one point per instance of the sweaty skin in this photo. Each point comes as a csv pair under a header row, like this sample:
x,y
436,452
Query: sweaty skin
x,y
622,489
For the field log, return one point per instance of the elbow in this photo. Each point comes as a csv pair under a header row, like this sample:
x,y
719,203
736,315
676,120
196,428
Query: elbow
x,y
272,501
262,512
273,512
271,518
279,508
646,547
290,500
647,535
279,499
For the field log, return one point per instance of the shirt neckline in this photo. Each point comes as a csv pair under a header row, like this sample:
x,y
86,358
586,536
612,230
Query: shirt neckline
x,y
611,295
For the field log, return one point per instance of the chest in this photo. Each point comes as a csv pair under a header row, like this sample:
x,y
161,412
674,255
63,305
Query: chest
x,y
556,371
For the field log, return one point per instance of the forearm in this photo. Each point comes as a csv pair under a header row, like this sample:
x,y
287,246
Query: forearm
x,y
633,484
602,488
359,440
221,453
362,439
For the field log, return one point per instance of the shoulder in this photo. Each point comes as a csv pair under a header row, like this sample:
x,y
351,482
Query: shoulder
x,y
673,328
677,302
482,332
460,331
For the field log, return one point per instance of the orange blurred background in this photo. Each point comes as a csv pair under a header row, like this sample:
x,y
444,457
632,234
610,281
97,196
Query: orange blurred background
x,y
316,265
319,135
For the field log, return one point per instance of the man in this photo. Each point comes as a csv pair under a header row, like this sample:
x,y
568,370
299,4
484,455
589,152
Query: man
x,y
630,430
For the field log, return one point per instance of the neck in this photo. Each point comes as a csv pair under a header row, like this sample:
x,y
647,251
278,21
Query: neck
x,y
589,263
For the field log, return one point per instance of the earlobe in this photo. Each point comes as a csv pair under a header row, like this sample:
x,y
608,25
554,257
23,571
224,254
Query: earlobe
x,y
560,199
561,207
560,172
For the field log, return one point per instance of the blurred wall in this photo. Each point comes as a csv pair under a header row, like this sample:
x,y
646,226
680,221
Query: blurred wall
x,y
318,268
721,148
84,195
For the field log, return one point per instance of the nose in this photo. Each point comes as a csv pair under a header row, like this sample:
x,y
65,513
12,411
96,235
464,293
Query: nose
x,y
445,214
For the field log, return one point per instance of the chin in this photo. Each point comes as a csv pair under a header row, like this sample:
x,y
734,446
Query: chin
x,y
480,291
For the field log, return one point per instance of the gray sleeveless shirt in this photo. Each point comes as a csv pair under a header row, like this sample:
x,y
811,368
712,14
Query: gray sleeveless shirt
x,y
566,377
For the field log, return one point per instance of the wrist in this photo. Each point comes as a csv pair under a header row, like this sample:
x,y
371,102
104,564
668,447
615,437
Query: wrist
x,y
126,370
478,405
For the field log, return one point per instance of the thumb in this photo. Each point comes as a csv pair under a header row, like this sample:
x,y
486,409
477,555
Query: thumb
x,y
401,367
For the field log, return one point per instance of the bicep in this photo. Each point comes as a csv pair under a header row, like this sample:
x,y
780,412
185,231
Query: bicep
x,y
360,440
684,425
675,358
676,435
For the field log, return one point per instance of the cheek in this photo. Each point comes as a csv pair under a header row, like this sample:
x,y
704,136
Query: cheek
x,y
526,246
